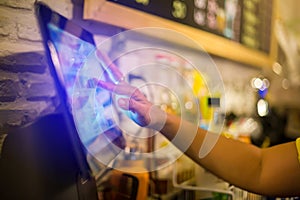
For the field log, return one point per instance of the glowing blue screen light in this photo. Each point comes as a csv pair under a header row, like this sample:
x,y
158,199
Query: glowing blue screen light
x,y
92,105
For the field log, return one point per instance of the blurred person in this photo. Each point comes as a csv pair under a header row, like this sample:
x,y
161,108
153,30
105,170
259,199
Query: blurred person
x,y
273,171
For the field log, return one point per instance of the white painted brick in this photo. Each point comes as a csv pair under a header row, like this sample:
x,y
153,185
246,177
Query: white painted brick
x,y
19,33
7,25
37,85
4,75
8,21
22,104
64,7
23,4
36,78
19,24
28,32
7,47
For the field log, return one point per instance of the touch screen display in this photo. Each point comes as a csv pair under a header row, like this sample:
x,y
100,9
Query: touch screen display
x,y
91,106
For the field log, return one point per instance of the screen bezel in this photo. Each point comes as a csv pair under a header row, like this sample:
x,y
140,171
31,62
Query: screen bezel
x,y
45,15
114,134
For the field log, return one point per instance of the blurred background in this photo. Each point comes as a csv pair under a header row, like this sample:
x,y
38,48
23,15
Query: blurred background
x,y
255,45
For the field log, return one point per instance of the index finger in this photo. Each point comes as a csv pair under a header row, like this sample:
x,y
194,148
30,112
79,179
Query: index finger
x,y
121,89
112,70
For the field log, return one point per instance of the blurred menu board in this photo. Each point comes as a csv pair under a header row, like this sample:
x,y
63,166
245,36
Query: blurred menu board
x,y
256,24
244,21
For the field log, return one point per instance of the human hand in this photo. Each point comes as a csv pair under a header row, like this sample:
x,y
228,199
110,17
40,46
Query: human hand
x,y
140,110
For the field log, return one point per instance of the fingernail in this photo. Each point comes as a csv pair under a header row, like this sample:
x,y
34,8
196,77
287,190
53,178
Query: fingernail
x,y
123,103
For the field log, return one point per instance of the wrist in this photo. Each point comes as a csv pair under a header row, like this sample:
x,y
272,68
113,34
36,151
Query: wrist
x,y
158,118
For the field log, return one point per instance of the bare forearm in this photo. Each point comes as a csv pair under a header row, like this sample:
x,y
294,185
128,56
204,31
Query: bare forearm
x,y
233,161
243,165
229,159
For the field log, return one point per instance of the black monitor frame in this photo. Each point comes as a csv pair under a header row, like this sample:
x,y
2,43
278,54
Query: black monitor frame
x,y
46,15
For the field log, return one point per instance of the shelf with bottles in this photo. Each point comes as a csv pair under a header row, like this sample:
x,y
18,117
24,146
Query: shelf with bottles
x,y
162,179
241,128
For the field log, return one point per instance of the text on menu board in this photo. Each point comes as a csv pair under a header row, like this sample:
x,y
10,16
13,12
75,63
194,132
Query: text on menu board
x,y
244,21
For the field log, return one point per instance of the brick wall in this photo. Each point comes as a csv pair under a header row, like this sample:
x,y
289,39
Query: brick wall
x,y
26,88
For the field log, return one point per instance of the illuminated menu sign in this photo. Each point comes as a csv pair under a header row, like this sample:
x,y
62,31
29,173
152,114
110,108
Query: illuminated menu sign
x,y
244,21
256,24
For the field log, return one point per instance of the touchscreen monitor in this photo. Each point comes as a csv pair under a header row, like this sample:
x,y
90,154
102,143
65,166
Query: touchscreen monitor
x,y
72,52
